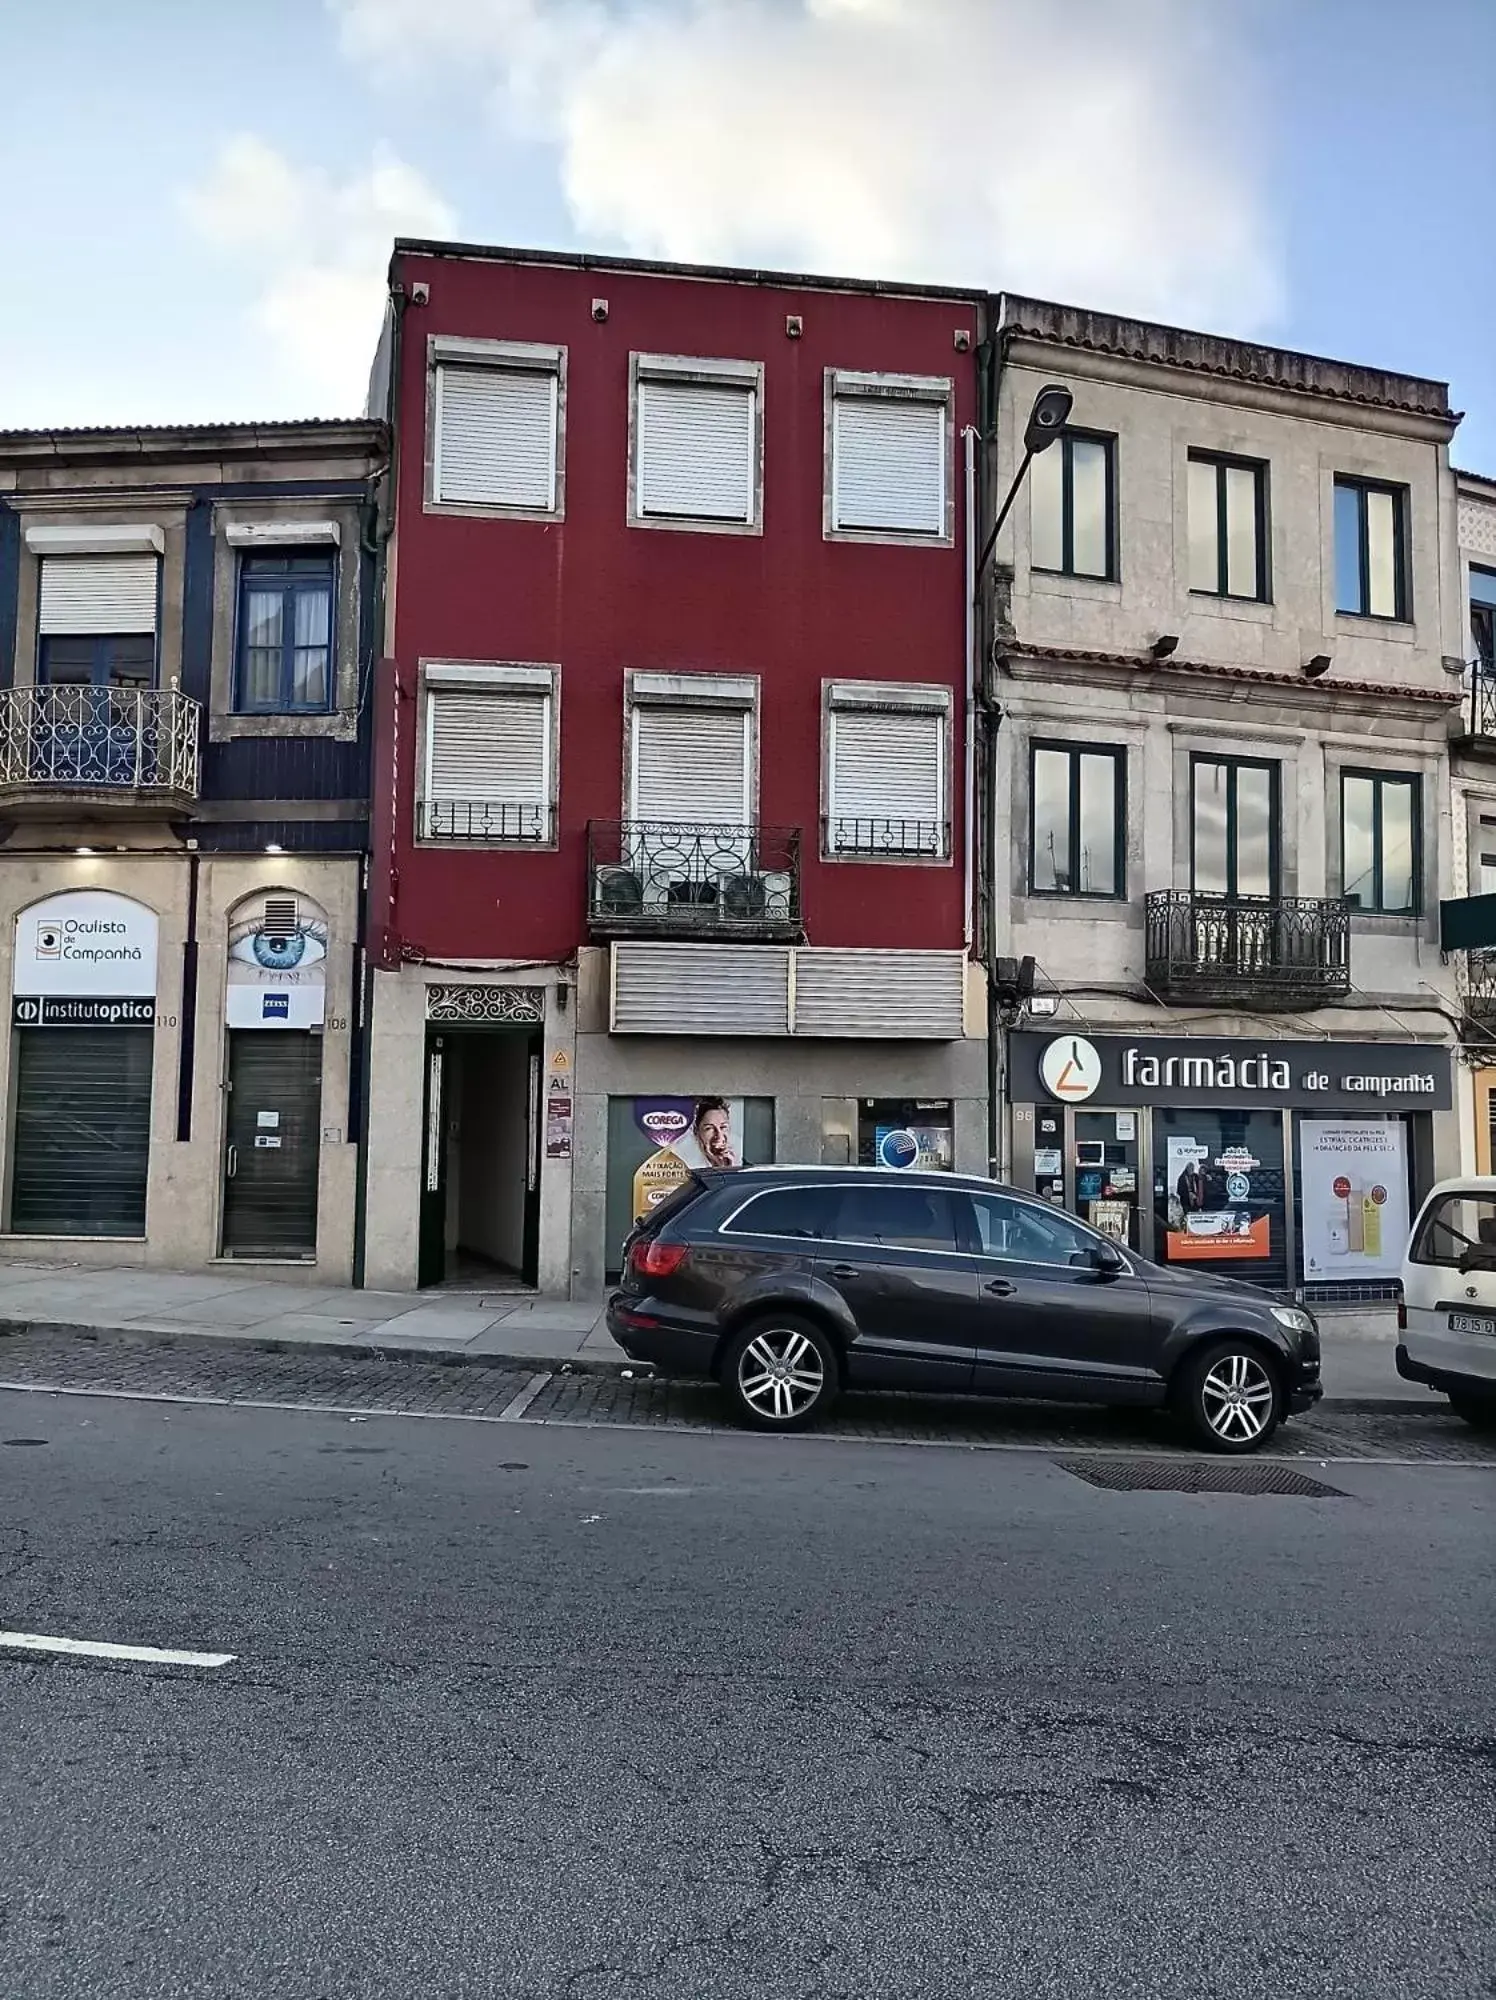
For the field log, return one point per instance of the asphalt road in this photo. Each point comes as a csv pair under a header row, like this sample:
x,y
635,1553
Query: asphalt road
x,y
538,1711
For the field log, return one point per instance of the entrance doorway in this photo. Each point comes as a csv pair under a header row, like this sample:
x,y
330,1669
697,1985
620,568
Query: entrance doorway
x,y
480,1182
274,1130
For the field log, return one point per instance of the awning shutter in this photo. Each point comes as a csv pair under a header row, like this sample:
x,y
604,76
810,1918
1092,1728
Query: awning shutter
x,y
880,995
82,594
496,436
691,765
492,749
700,989
888,464
695,451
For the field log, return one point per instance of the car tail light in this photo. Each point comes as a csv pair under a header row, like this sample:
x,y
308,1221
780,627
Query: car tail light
x,y
653,1259
1402,1316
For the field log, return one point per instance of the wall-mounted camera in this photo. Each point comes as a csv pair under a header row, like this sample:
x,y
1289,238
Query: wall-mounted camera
x,y
599,310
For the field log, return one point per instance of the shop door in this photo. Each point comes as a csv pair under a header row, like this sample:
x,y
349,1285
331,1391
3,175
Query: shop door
x,y
1106,1173
270,1169
82,1131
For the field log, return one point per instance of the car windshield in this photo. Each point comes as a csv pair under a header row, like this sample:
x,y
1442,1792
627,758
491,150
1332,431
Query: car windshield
x,y
1458,1232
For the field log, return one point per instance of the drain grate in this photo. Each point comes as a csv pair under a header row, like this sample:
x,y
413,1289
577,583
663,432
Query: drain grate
x,y
1185,1475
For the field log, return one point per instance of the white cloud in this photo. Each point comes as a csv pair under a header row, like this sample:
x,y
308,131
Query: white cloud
x,y
316,249
1099,151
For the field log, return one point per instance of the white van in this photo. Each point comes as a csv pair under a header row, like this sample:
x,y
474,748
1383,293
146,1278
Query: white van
x,y
1447,1317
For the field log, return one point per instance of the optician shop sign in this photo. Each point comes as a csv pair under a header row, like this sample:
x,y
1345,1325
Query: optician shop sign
x,y
85,959
1198,1070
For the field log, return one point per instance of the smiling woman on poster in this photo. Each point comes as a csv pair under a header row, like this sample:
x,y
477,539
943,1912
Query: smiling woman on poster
x,y
711,1128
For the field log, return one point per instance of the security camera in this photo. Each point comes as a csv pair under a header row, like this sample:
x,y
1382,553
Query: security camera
x,y
420,295
1047,417
599,310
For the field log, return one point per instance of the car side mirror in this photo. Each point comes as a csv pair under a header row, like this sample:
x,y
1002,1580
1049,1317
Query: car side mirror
x,y
1107,1259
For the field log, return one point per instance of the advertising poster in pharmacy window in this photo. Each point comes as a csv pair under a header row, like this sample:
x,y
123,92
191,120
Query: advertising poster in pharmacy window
x,y
1355,1179
1209,1216
687,1132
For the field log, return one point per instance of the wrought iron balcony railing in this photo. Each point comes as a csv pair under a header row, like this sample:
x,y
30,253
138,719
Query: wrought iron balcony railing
x,y
1214,950
1480,701
922,838
480,820
694,879
109,743
1476,976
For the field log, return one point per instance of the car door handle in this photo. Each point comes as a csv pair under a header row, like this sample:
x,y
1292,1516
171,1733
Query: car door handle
x,y
841,1272
1001,1287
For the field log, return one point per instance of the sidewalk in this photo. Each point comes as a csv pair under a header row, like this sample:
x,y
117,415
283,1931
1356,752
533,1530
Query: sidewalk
x,y
472,1326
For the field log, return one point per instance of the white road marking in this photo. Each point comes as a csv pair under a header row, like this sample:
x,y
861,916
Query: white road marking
x,y
515,1409
98,1649
719,1430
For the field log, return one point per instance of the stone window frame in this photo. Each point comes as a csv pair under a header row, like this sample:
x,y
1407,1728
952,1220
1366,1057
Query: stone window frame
x,y
650,688
163,527
859,697
298,513
838,383
522,357
706,372
541,677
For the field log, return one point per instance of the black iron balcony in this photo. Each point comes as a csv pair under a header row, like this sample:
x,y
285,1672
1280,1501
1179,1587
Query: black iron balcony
x,y
1215,950
692,879
913,838
1476,975
111,748
482,820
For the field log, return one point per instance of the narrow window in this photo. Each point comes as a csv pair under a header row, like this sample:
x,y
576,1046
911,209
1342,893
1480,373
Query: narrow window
x,y
1379,817
1371,556
1072,507
284,664
1228,527
1077,821
1235,827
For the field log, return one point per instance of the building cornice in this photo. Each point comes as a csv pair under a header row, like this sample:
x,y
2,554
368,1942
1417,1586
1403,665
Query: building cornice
x,y
1034,663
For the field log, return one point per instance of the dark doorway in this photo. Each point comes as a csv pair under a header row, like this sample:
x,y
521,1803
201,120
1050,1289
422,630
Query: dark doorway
x,y
480,1200
274,1133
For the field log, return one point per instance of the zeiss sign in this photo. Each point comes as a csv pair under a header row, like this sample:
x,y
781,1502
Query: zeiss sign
x,y
1123,1071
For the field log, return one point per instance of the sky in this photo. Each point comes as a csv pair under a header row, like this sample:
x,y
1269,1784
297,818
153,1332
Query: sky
x,y
200,198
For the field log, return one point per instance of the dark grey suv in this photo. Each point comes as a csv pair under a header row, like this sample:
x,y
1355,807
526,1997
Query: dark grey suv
x,y
787,1284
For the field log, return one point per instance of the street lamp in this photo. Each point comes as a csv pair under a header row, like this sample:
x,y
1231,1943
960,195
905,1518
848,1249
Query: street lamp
x,y
1045,422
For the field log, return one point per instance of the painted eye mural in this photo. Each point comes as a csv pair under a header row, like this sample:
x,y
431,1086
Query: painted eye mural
x,y
284,950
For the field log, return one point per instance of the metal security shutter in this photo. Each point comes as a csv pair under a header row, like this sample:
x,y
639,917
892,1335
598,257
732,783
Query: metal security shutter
x,y
888,465
82,594
494,748
82,1131
700,989
496,436
887,766
880,995
695,451
691,765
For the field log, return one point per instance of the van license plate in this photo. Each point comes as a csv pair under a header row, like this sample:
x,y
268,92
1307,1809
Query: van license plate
x,y
1471,1323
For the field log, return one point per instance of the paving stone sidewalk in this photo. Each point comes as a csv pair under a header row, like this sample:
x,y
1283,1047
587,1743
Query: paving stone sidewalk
x,y
260,1308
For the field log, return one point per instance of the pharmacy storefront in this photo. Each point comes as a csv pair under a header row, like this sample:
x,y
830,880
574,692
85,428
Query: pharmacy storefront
x,y
1293,1165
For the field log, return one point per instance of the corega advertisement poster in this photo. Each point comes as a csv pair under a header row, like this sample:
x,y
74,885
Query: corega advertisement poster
x,y
1355,1178
687,1132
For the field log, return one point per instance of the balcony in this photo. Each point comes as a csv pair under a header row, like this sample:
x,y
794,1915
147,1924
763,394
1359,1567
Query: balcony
x,y
484,822
901,839
1209,951
692,880
1476,974
1478,710
108,748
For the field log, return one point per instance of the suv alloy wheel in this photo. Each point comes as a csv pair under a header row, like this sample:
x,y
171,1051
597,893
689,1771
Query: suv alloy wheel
x,y
780,1372
1229,1396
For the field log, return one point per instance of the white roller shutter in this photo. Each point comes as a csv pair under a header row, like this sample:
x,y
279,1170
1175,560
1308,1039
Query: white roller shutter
x,y
887,768
695,451
82,594
691,765
488,749
700,989
888,465
496,436
880,995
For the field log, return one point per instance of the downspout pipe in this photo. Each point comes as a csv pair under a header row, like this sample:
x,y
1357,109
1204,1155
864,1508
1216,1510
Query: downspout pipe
x,y
968,820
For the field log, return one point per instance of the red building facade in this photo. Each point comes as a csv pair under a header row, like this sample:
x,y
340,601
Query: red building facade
x,y
671,765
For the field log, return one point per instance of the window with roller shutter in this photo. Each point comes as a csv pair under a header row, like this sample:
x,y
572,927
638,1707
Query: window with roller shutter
x,y
889,458
695,444
86,594
691,766
496,418
489,758
886,781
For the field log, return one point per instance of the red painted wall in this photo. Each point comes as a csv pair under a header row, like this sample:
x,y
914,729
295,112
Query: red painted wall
x,y
600,597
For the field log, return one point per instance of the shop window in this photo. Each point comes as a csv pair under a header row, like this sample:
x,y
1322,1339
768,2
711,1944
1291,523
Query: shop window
x,y
1219,1193
1234,808
1077,820
654,1142
906,1132
1379,826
